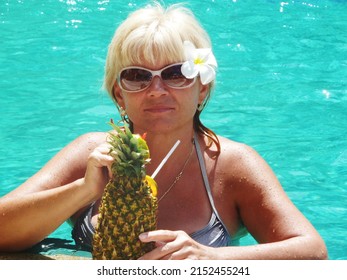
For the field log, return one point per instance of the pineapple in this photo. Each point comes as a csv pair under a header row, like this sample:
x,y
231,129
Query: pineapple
x,y
129,204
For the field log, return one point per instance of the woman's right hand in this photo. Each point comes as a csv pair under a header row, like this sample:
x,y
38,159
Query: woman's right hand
x,y
98,170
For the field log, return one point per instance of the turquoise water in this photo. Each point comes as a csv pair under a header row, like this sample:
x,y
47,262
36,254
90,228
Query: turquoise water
x,y
281,88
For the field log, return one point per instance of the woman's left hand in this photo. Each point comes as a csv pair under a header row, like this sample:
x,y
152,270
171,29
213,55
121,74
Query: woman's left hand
x,y
174,245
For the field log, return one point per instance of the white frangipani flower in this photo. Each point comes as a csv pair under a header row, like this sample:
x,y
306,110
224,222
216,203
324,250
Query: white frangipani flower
x,y
199,62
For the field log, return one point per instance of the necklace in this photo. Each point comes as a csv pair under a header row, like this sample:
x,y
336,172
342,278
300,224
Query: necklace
x,y
179,175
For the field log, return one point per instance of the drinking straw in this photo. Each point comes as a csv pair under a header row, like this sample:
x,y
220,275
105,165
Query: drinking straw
x,y
165,159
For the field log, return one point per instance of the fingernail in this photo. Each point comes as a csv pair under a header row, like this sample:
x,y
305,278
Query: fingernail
x,y
143,236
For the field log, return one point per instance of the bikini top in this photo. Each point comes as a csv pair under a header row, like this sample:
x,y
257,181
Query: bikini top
x,y
214,234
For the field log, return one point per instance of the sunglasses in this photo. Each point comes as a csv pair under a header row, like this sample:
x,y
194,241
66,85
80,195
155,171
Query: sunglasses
x,y
134,79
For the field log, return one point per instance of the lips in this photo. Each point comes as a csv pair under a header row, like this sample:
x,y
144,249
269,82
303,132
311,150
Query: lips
x,y
159,109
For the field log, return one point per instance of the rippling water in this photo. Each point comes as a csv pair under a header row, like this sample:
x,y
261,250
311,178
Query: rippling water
x,y
281,87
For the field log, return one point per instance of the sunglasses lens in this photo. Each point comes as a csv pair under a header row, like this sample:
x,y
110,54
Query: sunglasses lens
x,y
135,79
173,77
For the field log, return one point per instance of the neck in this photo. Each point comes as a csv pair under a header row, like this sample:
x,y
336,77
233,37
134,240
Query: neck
x,y
160,145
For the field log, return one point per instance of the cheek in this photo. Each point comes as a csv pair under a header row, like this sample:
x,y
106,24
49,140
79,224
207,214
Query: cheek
x,y
191,102
132,106
129,106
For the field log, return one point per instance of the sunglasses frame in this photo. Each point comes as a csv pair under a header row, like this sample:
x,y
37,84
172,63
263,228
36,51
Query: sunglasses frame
x,y
153,73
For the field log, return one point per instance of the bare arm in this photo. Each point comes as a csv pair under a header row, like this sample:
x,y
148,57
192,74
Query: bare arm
x,y
273,220
62,187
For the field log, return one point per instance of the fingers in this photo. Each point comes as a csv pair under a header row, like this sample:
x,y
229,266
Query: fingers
x,y
100,157
98,170
161,239
171,245
158,235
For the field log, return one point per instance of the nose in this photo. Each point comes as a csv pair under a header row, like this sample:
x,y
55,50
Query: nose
x,y
157,87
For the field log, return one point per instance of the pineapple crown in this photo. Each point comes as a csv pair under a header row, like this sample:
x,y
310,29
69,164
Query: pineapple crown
x,y
130,152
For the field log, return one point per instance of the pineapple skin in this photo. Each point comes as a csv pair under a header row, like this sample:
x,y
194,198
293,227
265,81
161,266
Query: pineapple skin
x,y
128,206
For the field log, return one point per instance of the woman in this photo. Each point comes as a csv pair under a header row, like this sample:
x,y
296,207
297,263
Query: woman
x,y
160,72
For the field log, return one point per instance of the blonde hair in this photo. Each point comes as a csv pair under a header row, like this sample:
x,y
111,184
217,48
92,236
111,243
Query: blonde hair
x,y
150,35
153,35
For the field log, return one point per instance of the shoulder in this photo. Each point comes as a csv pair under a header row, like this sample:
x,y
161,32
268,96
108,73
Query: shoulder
x,y
249,178
67,165
242,163
92,138
238,152
87,141
71,161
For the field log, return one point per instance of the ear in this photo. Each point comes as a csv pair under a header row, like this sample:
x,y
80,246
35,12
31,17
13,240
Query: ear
x,y
118,95
204,90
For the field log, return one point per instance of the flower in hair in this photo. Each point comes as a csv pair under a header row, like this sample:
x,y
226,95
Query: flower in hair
x,y
199,62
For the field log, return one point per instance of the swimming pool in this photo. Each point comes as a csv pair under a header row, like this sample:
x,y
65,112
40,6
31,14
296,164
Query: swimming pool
x,y
281,88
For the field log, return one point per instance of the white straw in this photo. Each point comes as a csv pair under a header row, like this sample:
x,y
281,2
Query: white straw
x,y
165,159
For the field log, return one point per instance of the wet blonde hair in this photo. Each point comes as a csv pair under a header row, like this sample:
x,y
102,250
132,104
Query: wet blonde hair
x,y
154,35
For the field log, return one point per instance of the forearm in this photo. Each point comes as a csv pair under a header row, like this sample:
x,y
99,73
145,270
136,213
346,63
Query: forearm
x,y
301,247
27,219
